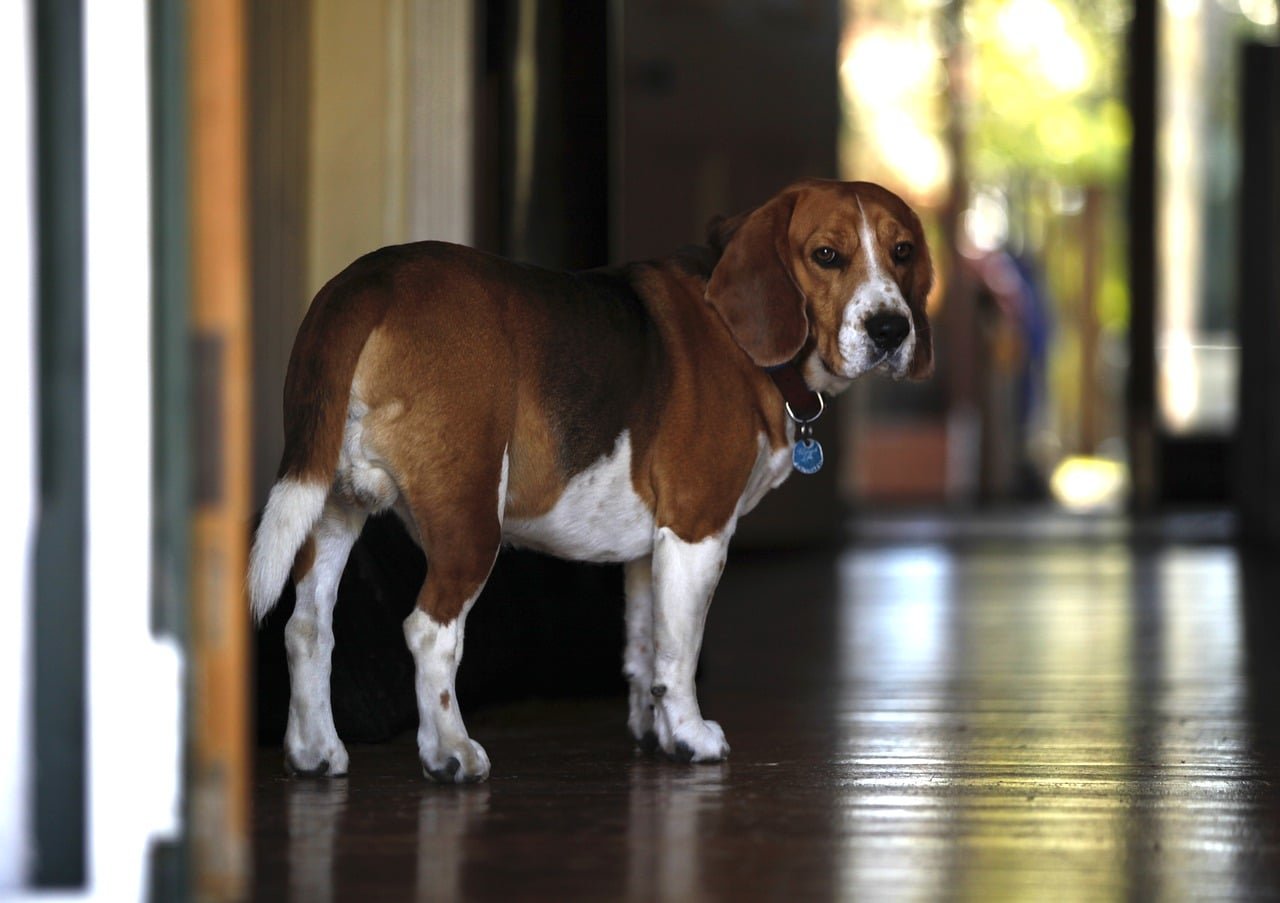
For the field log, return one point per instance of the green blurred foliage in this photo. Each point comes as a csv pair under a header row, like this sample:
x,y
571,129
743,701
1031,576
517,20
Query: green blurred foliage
x,y
1045,97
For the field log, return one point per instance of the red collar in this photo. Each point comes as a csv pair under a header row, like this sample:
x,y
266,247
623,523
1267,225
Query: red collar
x,y
804,402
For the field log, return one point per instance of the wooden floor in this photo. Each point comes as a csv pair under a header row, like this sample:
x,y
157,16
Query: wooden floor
x,y
1062,714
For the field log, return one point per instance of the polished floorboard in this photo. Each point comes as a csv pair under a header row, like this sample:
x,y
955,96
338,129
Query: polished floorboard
x,y
989,715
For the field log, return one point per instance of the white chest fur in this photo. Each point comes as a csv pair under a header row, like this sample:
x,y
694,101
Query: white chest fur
x,y
598,517
772,468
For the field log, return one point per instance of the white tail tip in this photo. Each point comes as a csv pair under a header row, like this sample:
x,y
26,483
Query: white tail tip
x,y
292,510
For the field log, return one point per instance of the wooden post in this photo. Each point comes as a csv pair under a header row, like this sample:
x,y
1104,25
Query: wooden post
x,y
961,358
1140,391
1258,438
220,519
1090,232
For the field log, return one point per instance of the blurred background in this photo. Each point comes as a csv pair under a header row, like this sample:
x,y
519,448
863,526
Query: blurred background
x,y
1096,177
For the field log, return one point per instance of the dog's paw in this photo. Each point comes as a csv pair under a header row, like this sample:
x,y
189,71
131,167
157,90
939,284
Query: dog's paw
x,y
697,741
466,763
321,761
640,719
647,742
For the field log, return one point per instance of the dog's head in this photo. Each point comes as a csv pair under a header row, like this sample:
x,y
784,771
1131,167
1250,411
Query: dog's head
x,y
837,273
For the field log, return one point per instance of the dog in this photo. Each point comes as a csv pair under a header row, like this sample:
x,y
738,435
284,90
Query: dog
x,y
627,415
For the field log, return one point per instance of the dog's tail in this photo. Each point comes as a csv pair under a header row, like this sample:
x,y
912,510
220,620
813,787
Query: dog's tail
x,y
292,510
317,392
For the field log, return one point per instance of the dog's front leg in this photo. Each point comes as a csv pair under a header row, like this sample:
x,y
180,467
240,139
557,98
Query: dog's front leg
x,y
684,578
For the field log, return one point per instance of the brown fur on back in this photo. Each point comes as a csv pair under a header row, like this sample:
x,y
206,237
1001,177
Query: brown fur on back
x,y
476,353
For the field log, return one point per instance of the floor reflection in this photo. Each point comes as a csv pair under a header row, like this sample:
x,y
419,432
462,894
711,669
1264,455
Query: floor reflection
x,y
1013,713
315,811
444,821
670,812
928,719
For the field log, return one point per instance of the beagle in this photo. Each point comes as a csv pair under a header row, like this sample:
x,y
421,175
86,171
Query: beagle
x,y
619,415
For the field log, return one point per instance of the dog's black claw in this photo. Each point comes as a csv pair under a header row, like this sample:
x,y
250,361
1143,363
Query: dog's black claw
x,y
683,753
444,775
648,743
319,771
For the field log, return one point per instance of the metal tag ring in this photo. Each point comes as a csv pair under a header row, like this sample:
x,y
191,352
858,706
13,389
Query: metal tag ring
x,y
822,406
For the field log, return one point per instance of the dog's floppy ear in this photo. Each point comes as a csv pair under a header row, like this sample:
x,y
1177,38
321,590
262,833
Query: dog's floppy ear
x,y
918,300
922,358
752,288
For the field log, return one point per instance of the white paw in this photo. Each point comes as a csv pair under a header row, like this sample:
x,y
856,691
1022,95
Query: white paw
x,y
463,763
317,760
696,741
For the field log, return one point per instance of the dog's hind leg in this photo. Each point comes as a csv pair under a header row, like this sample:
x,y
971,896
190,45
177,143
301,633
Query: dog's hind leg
x,y
637,663
311,742
461,531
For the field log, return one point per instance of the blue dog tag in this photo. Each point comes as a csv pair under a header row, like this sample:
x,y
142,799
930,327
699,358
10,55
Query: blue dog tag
x,y
806,456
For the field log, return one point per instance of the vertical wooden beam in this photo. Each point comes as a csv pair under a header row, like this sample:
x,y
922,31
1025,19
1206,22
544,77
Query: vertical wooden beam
x,y
961,359
220,519
59,711
171,415
1090,232
1258,438
1140,394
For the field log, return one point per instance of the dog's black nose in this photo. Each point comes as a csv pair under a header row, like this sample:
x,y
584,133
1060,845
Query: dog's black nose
x,y
887,330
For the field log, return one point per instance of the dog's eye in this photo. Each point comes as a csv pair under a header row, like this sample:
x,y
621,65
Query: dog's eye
x,y
902,251
826,257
